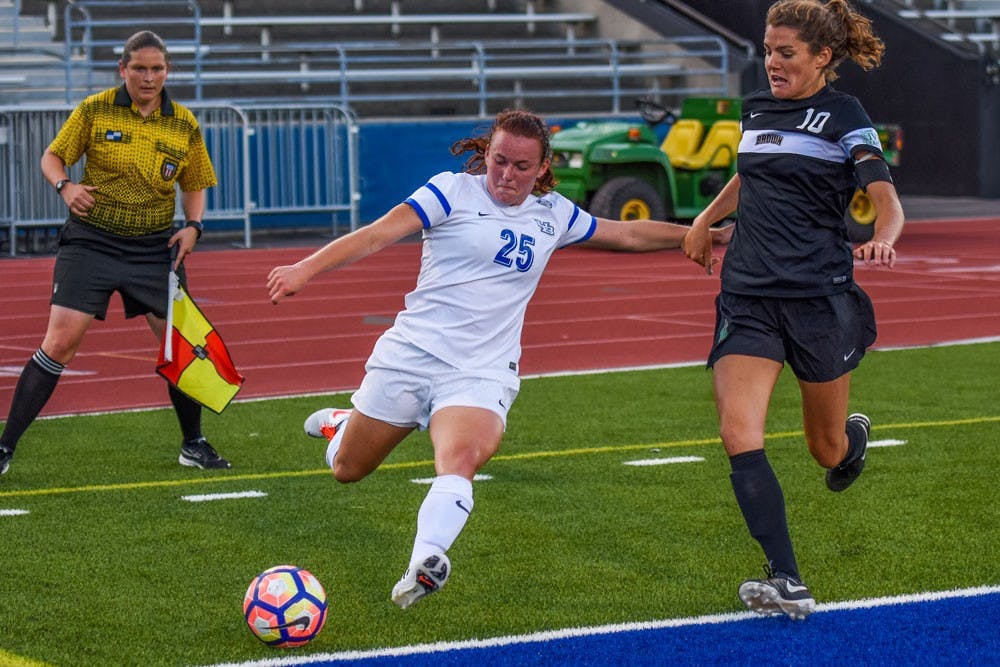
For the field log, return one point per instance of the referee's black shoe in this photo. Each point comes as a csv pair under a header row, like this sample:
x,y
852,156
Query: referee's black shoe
x,y
843,475
199,454
5,456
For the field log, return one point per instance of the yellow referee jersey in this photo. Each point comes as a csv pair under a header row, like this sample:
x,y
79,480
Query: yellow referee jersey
x,y
135,162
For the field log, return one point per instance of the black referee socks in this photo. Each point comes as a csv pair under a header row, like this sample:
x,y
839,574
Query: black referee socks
x,y
34,388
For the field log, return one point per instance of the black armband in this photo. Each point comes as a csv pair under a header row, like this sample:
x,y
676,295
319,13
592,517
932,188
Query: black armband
x,y
197,225
870,170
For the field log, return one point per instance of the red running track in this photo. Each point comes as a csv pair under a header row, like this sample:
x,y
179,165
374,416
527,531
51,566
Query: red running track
x,y
593,310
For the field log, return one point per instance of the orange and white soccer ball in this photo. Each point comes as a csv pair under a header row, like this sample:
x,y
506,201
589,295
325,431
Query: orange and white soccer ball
x,y
285,606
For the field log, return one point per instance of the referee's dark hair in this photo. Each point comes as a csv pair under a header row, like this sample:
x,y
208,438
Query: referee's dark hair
x,y
143,39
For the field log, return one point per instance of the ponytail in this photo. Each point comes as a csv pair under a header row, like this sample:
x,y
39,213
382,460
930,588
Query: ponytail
x,y
834,24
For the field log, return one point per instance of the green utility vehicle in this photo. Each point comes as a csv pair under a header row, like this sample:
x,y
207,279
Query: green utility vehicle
x,y
623,171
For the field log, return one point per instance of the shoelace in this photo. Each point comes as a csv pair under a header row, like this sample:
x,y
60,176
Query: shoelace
x,y
203,445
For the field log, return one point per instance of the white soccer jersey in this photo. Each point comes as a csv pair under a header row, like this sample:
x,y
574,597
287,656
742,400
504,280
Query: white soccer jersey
x,y
480,266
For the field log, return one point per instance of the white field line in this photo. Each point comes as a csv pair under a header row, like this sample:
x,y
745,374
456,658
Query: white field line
x,y
13,512
891,442
667,461
430,480
441,647
592,371
207,497
15,371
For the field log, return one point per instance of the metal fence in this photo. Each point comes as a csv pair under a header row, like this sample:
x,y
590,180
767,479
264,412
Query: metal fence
x,y
394,77
270,160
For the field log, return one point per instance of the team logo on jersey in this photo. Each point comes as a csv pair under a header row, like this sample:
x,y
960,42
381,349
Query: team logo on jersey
x,y
544,202
113,135
871,137
723,331
545,227
769,138
168,170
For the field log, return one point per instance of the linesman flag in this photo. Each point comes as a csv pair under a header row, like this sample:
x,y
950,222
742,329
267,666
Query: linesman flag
x,y
193,357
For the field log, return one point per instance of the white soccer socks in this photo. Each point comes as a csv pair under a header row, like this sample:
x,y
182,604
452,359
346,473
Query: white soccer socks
x,y
328,423
442,516
334,446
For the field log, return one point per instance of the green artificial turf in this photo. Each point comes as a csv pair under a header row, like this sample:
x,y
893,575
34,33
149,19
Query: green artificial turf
x,y
110,565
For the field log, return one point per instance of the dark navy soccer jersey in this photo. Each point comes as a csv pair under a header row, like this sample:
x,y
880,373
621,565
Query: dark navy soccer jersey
x,y
797,177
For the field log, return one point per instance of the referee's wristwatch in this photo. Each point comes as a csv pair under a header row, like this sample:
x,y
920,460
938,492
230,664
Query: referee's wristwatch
x,y
197,225
61,183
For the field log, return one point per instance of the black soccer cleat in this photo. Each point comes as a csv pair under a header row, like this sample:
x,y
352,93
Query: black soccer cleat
x,y
842,476
199,454
778,594
5,456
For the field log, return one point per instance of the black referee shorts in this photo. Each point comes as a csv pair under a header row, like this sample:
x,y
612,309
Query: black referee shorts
x,y
821,338
91,264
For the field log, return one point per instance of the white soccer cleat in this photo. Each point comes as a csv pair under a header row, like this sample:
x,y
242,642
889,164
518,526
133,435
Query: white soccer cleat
x,y
421,580
324,423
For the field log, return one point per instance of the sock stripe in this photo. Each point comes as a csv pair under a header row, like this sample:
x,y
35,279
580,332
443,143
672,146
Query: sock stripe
x,y
47,363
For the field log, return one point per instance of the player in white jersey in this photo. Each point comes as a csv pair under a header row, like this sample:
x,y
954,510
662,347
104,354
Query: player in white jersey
x,y
449,363
788,292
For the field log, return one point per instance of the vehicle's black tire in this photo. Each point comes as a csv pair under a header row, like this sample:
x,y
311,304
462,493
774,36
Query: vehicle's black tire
x,y
628,198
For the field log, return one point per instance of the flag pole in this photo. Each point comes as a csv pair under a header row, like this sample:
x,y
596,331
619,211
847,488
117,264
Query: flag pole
x,y
168,332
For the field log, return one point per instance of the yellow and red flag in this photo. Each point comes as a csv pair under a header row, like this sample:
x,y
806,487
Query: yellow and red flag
x,y
192,355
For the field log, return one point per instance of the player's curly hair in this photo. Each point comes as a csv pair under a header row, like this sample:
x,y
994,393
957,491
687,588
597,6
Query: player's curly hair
x,y
834,24
514,121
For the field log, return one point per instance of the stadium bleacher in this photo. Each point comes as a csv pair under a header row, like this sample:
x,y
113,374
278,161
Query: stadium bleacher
x,y
387,60
971,21
376,56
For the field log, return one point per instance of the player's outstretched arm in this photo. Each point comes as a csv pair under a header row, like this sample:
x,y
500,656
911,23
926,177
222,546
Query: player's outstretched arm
x,y
636,235
646,235
398,223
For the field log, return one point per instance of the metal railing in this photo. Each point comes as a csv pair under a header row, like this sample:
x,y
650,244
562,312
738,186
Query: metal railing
x,y
597,75
979,26
269,159
603,75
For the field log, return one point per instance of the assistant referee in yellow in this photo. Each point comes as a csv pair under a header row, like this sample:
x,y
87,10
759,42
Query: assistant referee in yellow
x,y
120,233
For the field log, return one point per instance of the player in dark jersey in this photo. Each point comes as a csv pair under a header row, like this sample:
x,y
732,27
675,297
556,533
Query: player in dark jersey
x,y
140,146
788,292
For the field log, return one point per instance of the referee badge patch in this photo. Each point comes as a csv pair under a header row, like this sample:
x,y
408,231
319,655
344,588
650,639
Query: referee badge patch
x,y
168,170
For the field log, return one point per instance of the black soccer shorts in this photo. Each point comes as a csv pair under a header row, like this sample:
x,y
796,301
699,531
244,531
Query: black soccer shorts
x,y
821,338
92,264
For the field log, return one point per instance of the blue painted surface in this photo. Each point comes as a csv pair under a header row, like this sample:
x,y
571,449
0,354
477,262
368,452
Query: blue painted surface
x,y
397,158
956,631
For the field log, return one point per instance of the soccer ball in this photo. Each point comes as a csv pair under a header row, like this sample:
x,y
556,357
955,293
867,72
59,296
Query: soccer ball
x,y
285,606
